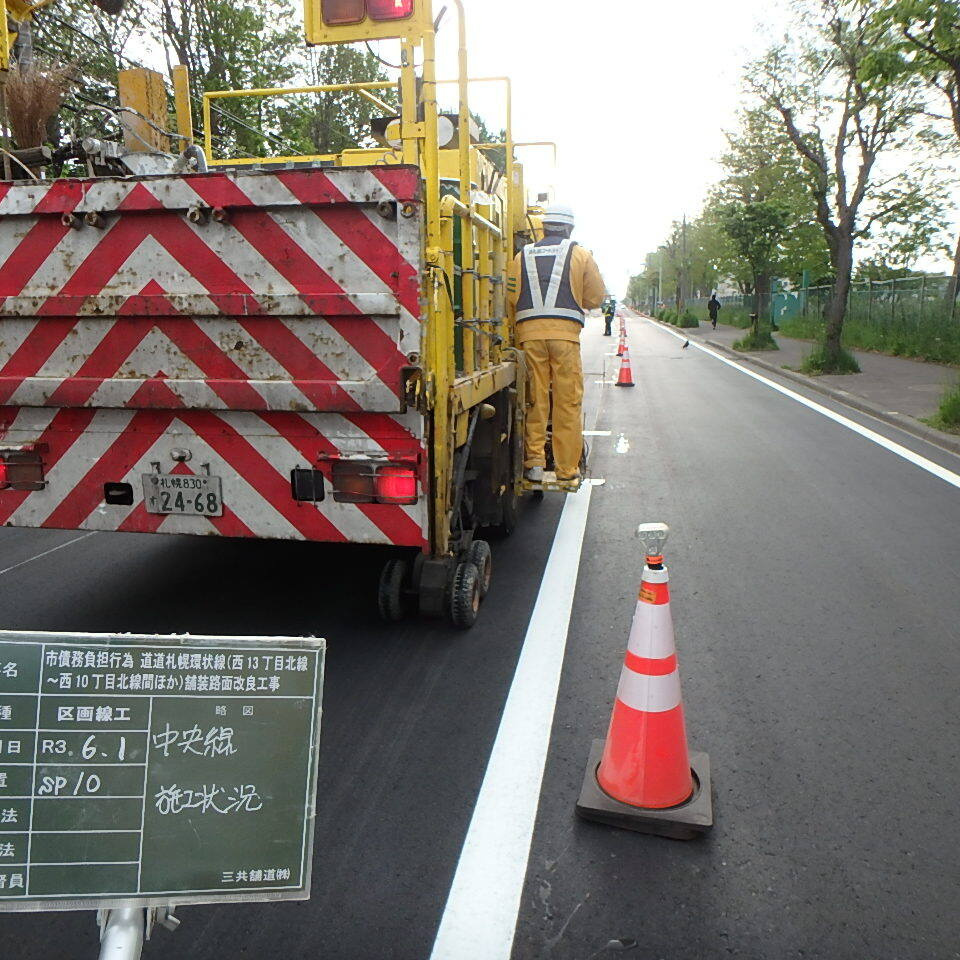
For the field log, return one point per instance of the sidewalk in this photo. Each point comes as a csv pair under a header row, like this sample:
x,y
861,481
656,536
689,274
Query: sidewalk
x,y
893,389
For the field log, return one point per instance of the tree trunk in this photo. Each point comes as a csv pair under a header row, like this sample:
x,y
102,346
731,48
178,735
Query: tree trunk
x,y
837,307
951,293
762,298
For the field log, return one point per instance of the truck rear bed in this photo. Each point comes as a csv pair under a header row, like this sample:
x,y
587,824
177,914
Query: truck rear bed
x,y
236,326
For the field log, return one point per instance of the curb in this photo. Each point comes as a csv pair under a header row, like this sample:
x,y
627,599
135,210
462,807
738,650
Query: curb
x,y
908,424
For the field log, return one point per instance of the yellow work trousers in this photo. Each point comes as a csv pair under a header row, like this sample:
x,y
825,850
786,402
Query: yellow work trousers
x,y
553,366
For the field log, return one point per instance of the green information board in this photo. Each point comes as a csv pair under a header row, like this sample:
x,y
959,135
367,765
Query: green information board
x,y
156,769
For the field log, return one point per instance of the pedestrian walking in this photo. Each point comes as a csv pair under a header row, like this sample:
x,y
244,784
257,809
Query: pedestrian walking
x,y
713,308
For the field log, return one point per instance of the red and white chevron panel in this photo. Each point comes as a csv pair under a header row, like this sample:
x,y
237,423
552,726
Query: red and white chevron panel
x,y
291,290
259,319
252,453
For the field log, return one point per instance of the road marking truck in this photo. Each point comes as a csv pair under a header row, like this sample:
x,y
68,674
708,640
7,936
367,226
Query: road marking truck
x,y
309,347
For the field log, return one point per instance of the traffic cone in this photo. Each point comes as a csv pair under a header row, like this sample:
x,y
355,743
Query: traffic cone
x,y
622,345
626,373
643,776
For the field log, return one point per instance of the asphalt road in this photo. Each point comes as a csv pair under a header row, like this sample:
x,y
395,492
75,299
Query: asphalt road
x,y
816,600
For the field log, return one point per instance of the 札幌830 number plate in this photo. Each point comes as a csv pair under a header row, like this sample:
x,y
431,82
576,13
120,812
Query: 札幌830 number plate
x,y
182,493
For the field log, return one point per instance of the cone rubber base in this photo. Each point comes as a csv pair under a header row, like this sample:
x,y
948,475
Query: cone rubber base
x,y
683,822
624,384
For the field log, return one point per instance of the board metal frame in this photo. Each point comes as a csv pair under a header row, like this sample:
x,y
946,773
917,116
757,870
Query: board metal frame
x,y
285,645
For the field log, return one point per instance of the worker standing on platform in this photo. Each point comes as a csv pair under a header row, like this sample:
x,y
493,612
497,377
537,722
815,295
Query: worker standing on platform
x,y
552,283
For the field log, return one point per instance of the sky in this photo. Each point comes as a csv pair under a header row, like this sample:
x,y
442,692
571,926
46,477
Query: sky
x,y
636,95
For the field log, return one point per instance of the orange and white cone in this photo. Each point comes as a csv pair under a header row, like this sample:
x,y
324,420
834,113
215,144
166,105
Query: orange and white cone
x,y
625,379
643,776
622,345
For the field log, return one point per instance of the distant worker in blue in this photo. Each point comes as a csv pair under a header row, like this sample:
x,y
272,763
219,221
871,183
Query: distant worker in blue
x,y
551,285
609,312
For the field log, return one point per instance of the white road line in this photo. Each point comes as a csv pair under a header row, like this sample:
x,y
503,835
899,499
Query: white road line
x,y
480,917
915,458
46,553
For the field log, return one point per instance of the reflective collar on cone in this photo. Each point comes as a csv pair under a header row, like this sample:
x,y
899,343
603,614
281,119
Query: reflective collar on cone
x,y
649,694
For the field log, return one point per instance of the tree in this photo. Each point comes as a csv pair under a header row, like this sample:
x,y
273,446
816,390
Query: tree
x,y
841,123
762,167
926,44
758,229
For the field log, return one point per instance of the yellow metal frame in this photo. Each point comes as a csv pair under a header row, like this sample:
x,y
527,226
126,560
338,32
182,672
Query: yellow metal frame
x,y
363,89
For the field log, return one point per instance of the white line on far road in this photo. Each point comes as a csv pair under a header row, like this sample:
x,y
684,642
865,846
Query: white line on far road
x,y
915,458
480,917
46,553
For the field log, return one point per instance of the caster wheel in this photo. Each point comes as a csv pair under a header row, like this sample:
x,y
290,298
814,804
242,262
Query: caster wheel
x,y
479,555
390,595
465,595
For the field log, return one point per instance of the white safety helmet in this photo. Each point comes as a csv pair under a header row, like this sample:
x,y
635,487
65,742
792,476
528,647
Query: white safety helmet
x,y
560,214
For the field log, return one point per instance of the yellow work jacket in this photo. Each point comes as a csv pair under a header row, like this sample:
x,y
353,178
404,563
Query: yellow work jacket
x,y
587,287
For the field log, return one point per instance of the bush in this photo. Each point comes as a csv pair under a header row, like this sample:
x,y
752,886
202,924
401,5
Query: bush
x,y
688,319
760,340
948,416
817,363
667,315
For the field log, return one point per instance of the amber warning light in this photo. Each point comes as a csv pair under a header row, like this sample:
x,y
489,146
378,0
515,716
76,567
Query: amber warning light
x,y
340,12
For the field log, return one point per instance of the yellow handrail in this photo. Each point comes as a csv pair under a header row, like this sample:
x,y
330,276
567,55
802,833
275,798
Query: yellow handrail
x,y
364,89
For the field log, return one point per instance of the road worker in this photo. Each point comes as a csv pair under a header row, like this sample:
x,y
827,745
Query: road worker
x,y
551,285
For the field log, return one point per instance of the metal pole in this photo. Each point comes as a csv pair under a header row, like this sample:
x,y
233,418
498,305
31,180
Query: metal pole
x,y
123,935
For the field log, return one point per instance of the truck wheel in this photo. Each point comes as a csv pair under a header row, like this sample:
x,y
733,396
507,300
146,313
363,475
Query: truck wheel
x,y
465,595
390,595
479,555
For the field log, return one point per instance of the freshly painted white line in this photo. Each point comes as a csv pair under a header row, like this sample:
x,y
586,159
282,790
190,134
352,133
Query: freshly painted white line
x,y
598,433
480,917
915,458
46,553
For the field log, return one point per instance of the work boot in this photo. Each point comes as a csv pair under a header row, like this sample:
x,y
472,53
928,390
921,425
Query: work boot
x,y
573,476
534,474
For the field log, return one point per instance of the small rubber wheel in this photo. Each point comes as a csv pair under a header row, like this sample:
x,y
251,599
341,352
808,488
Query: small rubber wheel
x,y
465,595
479,555
390,598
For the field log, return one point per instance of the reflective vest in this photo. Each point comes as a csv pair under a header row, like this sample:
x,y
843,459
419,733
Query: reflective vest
x,y
545,289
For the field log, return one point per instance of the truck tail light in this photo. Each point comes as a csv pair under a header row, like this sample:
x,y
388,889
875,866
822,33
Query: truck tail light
x,y
362,481
336,12
389,9
3,475
396,484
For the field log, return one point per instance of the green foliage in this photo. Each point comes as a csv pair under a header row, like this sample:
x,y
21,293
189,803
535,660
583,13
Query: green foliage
x,y
226,44
761,339
948,415
688,319
762,167
823,360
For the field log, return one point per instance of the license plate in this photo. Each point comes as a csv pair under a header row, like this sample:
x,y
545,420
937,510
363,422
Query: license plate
x,y
182,493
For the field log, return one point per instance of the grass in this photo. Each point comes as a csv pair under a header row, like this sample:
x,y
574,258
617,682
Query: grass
x,y
948,416
935,339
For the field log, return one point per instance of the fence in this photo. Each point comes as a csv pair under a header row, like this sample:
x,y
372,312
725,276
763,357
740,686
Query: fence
x,y
912,316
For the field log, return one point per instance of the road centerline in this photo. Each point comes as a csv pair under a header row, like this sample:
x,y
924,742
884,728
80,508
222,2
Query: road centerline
x,y
907,454
46,553
480,916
